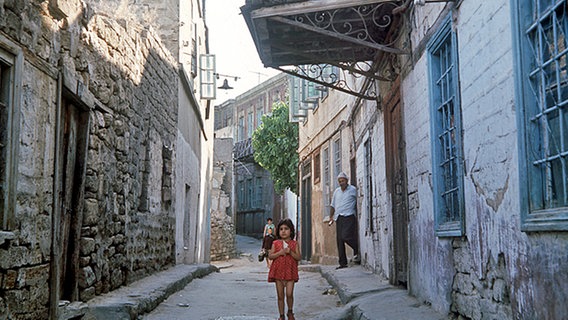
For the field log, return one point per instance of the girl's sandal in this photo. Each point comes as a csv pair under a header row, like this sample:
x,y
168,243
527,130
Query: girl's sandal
x,y
291,316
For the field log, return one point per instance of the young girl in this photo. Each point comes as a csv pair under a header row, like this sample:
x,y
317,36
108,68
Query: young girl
x,y
285,255
268,237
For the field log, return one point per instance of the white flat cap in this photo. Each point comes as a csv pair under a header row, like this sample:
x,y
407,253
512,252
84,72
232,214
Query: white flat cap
x,y
342,175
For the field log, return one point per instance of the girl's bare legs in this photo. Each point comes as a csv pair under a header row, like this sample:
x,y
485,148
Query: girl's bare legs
x,y
290,296
280,293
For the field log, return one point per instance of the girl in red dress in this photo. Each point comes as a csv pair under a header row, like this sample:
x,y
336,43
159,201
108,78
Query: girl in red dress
x,y
285,254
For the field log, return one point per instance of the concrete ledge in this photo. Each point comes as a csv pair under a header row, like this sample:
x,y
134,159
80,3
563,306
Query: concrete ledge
x,y
392,304
353,282
144,295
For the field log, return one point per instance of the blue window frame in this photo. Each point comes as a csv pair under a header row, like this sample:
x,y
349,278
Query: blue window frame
x,y
541,75
446,130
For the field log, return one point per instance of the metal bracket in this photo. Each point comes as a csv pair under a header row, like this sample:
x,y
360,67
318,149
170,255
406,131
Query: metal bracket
x,y
320,74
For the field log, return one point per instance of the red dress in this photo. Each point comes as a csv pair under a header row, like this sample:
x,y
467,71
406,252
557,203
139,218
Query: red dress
x,y
283,267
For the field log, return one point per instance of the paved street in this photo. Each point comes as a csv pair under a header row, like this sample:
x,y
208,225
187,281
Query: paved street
x,y
241,291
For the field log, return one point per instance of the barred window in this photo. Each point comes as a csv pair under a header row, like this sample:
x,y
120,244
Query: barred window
x,y
542,98
447,158
336,159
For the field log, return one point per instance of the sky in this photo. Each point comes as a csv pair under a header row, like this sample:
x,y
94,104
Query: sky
x,y
231,43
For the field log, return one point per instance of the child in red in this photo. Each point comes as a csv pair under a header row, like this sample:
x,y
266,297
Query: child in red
x,y
285,254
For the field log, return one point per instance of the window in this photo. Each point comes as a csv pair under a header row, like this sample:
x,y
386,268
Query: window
x,y
336,159
447,154
10,79
250,124
259,113
194,52
207,77
541,49
326,179
317,168
241,129
241,194
258,195
250,194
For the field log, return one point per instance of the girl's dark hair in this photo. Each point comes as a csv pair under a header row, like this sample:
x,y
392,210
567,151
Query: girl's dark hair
x,y
289,224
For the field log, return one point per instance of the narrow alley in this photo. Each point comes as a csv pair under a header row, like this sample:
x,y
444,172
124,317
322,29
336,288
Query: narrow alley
x,y
240,291
147,146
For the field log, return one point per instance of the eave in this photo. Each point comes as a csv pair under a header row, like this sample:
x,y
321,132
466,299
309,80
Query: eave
x,y
351,35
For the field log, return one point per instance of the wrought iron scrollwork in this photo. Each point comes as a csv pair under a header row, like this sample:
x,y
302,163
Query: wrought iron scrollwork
x,y
333,76
369,23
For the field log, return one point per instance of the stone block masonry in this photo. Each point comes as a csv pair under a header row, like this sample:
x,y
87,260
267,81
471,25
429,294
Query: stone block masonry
x,y
125,81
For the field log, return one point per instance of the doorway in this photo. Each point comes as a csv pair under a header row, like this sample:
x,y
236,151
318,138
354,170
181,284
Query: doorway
x,y
306,212
396,186
70,185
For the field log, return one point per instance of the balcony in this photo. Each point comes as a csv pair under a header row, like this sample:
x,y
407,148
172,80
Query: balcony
x,y
243,151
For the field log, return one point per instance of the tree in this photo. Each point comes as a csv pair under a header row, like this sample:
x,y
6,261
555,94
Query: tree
x,y
275,144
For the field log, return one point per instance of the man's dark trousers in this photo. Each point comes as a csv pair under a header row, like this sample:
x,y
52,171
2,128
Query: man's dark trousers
x,y
346,233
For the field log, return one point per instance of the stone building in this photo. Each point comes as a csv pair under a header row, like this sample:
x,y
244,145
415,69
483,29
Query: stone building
x,y
454,134
254,197
102,130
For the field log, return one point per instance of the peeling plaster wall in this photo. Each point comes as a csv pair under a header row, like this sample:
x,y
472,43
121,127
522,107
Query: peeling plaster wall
x,y
375,241
495,270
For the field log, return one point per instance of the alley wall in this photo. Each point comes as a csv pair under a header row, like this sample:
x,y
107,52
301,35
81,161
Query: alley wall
x,y
494,270
117,85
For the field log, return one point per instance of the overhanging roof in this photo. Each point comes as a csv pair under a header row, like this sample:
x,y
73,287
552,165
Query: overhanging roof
x,y
335,32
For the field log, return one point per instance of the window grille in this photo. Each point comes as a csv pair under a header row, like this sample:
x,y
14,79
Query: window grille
x,y
542,97
337,160
446,132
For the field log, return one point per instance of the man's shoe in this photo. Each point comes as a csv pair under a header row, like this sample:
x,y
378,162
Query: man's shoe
x,y
357,259
340,267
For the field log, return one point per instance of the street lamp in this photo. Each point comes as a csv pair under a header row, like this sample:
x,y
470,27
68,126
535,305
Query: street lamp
x,y
225,85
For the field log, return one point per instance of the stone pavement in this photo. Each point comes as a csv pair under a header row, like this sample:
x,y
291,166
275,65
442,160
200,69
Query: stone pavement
x,y
365,296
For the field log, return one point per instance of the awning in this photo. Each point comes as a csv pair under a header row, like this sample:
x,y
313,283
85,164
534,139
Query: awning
x,y
324,32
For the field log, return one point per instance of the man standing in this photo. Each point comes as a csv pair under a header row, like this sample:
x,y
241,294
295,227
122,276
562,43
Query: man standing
x,y
344,213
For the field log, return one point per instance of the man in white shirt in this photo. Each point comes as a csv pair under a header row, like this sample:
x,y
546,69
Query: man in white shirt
x,y
343,212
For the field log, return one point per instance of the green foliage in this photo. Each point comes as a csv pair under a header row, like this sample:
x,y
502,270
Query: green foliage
x,y
275,144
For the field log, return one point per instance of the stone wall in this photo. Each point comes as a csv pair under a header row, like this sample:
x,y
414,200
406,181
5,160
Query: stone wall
x,y
222,215
126,81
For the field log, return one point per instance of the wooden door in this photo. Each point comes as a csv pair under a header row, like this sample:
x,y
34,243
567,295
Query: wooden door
x,y
71,178
306,213
396,185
